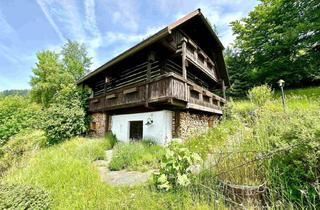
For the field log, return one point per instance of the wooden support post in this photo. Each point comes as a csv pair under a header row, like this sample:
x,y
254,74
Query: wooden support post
x,y
151,58
223,89
184,65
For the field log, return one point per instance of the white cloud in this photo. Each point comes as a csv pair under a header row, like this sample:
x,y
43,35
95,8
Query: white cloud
x,y
43,5
5,28
124,13
72,24
112,37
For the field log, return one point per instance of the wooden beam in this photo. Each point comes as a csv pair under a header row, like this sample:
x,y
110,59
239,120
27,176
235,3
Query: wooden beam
x,y
130,90
151,58
203,108
184,65
223,89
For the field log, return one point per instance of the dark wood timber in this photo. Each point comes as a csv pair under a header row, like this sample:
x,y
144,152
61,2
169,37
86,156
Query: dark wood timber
x,y
178,68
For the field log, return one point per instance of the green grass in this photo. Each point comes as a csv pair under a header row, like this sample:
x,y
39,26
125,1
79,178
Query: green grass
x,y
138,156
66,172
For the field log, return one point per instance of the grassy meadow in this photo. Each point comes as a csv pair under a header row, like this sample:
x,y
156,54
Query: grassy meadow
x,y
67,173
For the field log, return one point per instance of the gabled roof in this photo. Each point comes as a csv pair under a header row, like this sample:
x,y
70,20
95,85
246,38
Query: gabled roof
x,y
152,39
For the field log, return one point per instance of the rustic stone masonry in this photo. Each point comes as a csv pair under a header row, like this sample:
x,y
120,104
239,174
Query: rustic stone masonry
x,y
192,124
98,124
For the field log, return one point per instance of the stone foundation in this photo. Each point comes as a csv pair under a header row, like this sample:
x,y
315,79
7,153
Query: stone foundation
x,y
192,124
98,124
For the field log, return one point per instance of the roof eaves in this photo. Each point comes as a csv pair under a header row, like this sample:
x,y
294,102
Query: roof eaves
x,y
163,32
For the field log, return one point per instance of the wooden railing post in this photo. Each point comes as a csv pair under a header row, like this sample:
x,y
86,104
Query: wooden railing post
x,y
151,58
223,89
184,65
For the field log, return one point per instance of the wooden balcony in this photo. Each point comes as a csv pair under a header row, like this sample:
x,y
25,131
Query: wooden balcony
x,y
167,89
197,57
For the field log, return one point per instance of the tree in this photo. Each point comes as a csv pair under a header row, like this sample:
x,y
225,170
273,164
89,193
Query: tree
x,y
54,70
75,59
275,41
49,76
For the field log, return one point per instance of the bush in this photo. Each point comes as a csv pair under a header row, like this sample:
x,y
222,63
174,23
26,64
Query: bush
x,y
175,167
24,142
65,118
111,139
136,156
260,95
17,113
23,197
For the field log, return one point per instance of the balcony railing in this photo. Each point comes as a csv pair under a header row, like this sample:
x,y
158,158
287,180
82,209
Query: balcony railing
x,y
160,89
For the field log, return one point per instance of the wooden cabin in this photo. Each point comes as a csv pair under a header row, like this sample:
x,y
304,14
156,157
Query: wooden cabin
x,y
170,85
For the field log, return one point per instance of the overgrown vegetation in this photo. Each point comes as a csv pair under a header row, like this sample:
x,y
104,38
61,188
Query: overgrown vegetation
x,y
66,172
18,146
260,143
23,197
175,170
17,113
140,156
275,41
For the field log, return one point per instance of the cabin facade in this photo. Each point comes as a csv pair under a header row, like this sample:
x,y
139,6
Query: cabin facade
x,y
171,85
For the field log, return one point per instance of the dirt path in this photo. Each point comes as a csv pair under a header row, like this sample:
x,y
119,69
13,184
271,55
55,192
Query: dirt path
x,y
123,177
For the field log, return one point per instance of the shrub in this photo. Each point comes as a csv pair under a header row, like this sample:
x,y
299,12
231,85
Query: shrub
x,y
175,167
65,118
135,156
24,142
23,197
17,113
111,139
260,95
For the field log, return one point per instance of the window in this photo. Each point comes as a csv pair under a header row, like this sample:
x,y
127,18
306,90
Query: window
x,y
93,126
136,130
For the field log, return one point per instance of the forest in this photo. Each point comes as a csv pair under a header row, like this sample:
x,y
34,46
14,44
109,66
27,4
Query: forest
x,y
267,150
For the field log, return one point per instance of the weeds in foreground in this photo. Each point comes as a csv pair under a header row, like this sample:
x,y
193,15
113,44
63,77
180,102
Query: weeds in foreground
x,y
138,156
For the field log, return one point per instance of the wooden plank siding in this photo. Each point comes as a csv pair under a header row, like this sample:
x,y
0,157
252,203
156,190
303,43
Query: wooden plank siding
x,y
186,78
169,86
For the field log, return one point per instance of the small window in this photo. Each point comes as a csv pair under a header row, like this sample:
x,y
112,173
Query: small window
x,y
136,130
93,126
194,94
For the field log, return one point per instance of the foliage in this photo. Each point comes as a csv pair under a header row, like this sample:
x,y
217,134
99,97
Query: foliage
x,y
22,143
136,156
260,95
275,42
66,171
23,197
17,113
175,168
299,165
111,138
5,93
207,142
65,117
75,59
48,77
54,71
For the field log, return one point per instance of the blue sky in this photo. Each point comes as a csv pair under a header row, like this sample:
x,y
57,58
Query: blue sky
x,y
106,27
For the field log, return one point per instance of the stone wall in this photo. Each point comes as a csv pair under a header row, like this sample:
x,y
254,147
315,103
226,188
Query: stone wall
x,y
193,124
98,124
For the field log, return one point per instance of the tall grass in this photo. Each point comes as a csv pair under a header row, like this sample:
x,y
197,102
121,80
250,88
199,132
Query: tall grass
x,y
67,173
137,156
254,145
